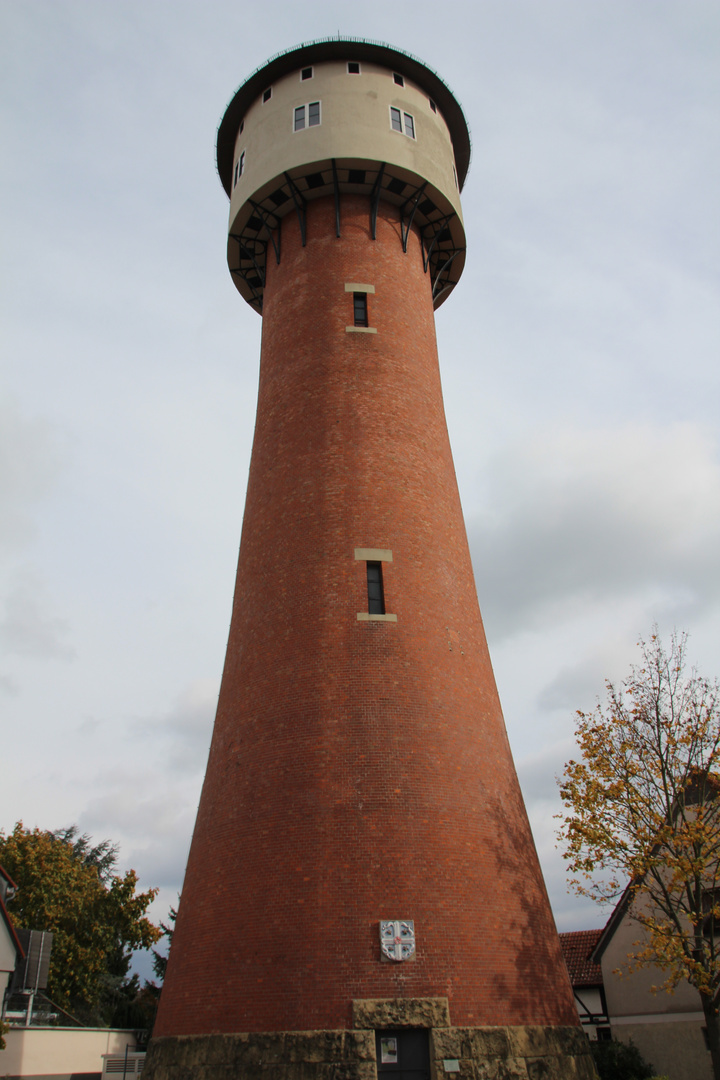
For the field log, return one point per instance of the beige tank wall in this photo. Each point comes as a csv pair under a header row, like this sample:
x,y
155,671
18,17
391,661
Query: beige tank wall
x,y
355,125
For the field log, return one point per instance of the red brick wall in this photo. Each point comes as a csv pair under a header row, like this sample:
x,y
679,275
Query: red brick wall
x,y
359,770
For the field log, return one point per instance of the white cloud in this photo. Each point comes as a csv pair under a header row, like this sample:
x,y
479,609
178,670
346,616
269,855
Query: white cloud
x,y
27,629
571,517
32,456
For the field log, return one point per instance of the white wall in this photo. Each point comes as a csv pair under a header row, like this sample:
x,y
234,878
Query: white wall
x,y
36,1051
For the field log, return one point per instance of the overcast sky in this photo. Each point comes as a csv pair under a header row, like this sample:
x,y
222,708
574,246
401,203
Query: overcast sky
x,y
579,357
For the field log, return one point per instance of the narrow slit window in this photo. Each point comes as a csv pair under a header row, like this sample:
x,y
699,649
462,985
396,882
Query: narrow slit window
x,y
376,599
239,167
360,313
313,114
409,126
396,119
299,122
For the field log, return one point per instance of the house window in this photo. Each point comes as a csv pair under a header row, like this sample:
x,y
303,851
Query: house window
x,y
353,67
306,73
402,122
376,600
309,113
360,309
267,94
398,79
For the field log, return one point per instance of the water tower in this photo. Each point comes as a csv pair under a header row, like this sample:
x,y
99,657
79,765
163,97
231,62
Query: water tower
x,y
362,893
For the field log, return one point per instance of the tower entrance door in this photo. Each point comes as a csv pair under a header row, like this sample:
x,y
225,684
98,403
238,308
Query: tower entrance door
x,y
403,1054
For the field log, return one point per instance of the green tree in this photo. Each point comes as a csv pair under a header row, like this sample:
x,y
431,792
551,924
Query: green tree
x,y
159,961
97,918
643,815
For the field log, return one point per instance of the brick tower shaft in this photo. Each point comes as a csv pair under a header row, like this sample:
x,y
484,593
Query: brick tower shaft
x,y
359,768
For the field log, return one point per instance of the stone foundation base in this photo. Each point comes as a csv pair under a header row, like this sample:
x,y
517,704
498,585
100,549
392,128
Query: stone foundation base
x,y
483,1053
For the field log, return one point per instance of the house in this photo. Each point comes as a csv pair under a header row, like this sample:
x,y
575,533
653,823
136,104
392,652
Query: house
x,y
668,1029
10,947
586,979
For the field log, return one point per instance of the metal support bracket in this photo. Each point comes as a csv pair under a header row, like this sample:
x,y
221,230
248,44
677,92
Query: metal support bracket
x,y
439,228
336,190
265,216
406,227
375,201
300,206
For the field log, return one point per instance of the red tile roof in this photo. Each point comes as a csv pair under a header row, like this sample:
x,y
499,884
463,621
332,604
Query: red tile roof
x,y
576,949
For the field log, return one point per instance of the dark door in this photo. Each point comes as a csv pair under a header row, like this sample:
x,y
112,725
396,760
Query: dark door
x,y
403,1054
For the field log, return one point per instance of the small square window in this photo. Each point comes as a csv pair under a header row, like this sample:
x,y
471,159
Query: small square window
x,y
398,79
409,126
396,119
267,94
353,67
306,73
433,106
313,114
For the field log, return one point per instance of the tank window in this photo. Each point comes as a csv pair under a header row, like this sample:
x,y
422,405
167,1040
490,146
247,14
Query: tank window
x,y
267,94
353,67
306,115
433,106
360,309
306,73
402,122
398,79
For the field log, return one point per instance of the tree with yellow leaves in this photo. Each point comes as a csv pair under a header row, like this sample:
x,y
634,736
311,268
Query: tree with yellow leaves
x,y
66,885
642,817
